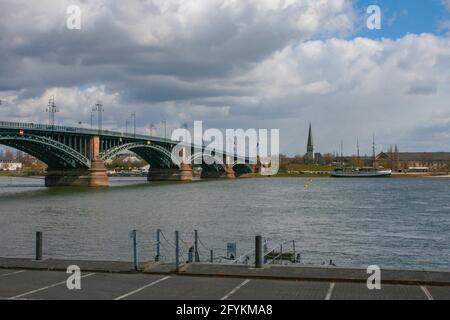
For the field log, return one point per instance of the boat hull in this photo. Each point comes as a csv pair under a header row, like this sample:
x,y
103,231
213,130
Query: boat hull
x,y
375,174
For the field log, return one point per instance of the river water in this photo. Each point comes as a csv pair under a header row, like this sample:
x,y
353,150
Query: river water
x,y
401,223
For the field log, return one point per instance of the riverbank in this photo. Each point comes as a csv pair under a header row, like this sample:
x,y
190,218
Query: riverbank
x,y
328,175
306,174
21,174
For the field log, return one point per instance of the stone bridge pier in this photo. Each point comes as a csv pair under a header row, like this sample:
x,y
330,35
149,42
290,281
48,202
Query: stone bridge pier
x,y
228,173
95,176
184,173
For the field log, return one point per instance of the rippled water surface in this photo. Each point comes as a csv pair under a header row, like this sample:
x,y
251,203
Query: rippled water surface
x,y
389,222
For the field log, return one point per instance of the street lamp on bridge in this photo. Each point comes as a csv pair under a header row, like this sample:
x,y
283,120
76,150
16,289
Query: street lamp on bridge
x,y
165,128
133,116
150,128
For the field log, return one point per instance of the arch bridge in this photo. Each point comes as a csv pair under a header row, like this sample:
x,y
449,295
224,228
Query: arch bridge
x,y
76,156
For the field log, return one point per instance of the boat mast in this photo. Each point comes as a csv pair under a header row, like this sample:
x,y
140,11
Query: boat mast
x,y
357,149
373,151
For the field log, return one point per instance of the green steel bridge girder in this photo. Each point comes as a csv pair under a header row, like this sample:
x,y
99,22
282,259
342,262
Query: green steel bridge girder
x,y
53,153
69,148
154,154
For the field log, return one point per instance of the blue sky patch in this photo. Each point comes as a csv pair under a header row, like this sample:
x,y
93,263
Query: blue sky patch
x,y
400,17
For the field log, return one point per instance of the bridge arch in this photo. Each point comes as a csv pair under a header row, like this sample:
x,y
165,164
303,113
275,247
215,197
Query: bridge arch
x,y
53,153
217,164
242,168
155,155
220,166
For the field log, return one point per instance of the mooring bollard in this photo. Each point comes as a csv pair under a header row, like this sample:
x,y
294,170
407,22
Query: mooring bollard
x,y
39,245
197,257
133,235
177,251
158,245
211,256
258,252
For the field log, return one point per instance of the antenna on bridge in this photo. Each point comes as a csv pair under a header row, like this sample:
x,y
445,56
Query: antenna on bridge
x,y
51,109
92,119
100,109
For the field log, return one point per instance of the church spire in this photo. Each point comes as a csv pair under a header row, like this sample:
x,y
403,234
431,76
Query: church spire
x,y
310,146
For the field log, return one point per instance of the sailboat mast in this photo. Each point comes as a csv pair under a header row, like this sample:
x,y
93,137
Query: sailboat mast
x,y
373,151
357,149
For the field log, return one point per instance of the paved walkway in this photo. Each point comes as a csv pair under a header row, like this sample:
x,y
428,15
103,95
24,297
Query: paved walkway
x,y
406,277
105,280
51,285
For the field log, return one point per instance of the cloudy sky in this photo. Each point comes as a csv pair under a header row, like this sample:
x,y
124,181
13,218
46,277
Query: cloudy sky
x,y
236,64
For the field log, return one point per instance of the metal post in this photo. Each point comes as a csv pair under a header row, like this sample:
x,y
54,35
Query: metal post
x,y
281,253
158,245
293,251
39,245
135,257
211,256
197,257
177,251
258,252
266,249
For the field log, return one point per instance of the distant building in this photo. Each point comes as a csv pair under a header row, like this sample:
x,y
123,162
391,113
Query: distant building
x,y
125,158
415,161
10,165
131,158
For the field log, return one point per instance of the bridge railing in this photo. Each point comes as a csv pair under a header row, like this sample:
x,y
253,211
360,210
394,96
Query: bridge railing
x,y
50,128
